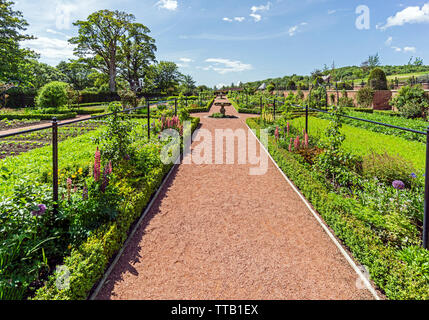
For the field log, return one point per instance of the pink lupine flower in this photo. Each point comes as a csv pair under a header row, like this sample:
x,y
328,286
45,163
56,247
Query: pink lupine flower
x,y
97,164
277,133
296,144
290,147
109,167
306,140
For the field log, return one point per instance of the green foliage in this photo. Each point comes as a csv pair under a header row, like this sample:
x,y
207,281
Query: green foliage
x,y
129,99
12,56
411,101
365,97
354,223
386,117
338,166
53,95
362,142
387,168
116,140
377,79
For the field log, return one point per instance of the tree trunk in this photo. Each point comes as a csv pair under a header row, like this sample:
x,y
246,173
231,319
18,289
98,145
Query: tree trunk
x,y
112,79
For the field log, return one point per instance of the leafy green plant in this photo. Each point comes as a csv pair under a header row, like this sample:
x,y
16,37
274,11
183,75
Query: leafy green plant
x,y
53,95
388,168
116,141
411,102
365,96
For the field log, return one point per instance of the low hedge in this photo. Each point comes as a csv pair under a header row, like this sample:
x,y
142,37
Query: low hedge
x,y
91,111
395,277
88,263
243,110
206,109
19,116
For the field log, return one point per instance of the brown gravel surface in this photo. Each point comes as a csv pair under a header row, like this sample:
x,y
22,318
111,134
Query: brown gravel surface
x,y
216,232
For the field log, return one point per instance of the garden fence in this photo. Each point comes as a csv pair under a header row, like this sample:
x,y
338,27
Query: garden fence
x,y
425,237
54,134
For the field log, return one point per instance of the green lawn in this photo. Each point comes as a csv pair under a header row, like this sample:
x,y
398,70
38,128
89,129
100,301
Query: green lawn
x,y
401,77
362,142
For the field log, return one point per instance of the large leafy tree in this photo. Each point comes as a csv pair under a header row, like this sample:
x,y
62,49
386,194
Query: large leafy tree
x,y
100,37
188,84
12,26
165,75
137,52
76,73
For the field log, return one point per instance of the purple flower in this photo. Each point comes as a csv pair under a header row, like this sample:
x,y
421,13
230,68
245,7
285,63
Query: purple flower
x,y
413,175
40,212
398,184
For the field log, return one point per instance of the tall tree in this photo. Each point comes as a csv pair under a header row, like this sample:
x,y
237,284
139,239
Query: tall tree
x,y
99,36
166,75
12,24
76,73
137,52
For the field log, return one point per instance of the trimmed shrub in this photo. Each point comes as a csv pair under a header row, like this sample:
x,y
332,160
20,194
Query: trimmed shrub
x,y
291,85
377,79
53,95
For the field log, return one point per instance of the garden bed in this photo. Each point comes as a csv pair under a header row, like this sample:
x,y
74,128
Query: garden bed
x,y
369,224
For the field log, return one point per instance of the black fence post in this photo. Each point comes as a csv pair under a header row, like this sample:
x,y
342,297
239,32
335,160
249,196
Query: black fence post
x,y
175,107
306,118
274,109
148,119
260,103
186,101
55,163
426,203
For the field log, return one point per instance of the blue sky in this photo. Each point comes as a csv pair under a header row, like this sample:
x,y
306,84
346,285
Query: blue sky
x,y
224,42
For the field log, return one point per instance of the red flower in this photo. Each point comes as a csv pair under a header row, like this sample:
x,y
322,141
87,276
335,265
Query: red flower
x,y
97,164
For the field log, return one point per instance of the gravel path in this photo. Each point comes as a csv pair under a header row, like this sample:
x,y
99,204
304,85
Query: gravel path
x,y
216,232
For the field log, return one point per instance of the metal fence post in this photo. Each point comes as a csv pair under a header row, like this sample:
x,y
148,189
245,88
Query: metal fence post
x,y
426,203
148,119
260,103
274,109
306,118
175,107
55,163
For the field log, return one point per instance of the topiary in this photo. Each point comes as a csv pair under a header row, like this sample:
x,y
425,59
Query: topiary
x,y
377,79
52,95
365,97
291,85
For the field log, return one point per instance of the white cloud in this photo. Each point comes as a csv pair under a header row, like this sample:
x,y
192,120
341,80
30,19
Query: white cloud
x,y
239,19
408,15
397,49
256,17
255,9
186,60
331,11
388,41
227,19
293,30
167,4
224,66
409,49
50,48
